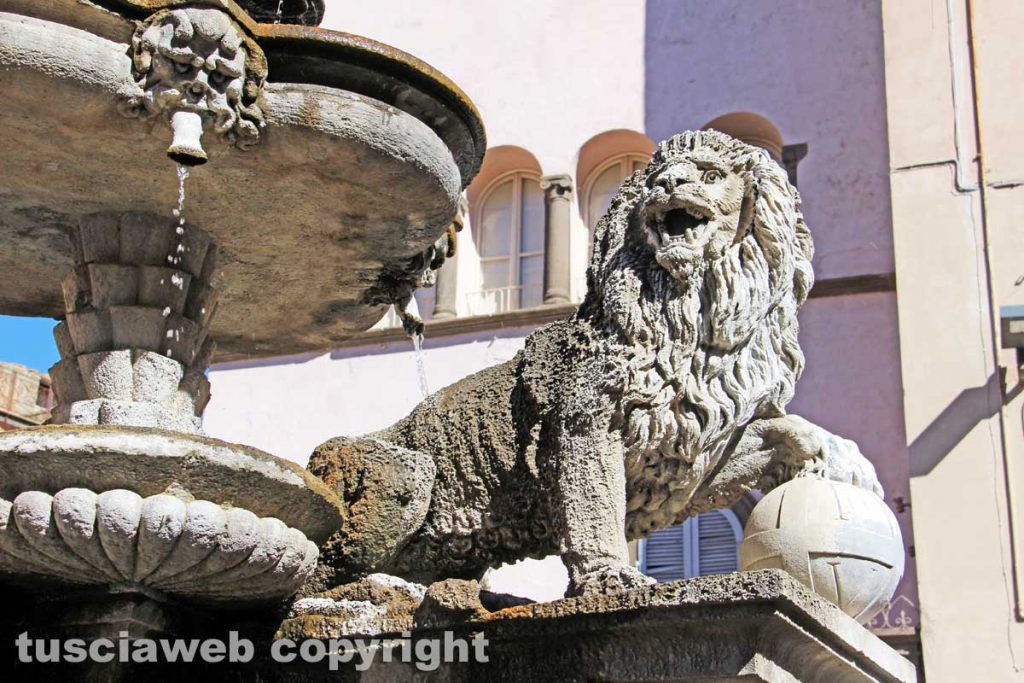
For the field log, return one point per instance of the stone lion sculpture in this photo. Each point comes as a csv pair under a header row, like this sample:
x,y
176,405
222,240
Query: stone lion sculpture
x,y
663,396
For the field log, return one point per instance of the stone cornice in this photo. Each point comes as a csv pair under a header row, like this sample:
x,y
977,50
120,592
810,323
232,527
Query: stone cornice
x,y
541,315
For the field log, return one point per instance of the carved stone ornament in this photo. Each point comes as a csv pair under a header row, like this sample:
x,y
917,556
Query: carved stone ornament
x,y
662,397
163,543
199,64
557,187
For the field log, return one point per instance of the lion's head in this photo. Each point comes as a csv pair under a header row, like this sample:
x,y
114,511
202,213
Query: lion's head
x,y
698,270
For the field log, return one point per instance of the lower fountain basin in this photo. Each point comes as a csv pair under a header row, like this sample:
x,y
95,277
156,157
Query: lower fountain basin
x,y
161,544
150,462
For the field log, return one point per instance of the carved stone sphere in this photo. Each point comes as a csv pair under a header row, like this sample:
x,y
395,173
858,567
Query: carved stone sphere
x,y
839,540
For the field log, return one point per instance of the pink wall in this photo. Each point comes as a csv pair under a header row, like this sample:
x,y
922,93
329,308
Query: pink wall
x,y
814,68
852,386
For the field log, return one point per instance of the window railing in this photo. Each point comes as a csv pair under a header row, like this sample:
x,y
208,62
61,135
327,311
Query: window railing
x,y
504,299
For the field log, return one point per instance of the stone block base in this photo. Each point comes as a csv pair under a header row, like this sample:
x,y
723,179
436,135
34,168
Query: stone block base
x,y
752,626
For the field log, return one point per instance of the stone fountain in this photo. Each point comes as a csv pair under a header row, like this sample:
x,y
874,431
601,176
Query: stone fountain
x,y
317,176
309,154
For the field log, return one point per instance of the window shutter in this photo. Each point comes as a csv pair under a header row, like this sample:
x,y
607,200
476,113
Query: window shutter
x,y
665,554
718,544
702,545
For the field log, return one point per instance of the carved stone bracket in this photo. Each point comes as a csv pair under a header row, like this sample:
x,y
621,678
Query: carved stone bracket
x,y
199,68
134,345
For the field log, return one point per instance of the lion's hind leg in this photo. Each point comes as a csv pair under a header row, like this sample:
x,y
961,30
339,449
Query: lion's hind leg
x,y
386,491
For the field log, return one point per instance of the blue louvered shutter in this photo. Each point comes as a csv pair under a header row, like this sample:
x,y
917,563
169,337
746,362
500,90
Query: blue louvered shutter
x,y
664,555
702,545
717,543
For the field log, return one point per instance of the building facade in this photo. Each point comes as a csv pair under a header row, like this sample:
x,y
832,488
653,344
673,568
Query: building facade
x,y
25,397
894,119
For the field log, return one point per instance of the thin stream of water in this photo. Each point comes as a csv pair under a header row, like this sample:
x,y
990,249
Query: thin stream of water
x,y
280,8
174,258
417,343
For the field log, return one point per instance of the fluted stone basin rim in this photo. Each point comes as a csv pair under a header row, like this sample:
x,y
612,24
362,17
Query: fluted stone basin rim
x,y
192,549
150,461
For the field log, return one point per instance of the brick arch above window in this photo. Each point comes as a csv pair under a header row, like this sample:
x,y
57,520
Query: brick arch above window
x,y
606,160
751,128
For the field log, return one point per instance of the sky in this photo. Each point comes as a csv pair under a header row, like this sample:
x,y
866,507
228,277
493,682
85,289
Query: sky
x,y
28,341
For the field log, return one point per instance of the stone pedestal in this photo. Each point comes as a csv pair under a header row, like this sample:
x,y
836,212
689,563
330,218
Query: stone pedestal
x,y
749,626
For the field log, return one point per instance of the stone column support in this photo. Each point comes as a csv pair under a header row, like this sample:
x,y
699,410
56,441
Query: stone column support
x,y
446,288
134,344
558,197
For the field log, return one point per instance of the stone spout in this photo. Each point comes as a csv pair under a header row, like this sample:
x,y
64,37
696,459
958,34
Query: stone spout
x,y
187,146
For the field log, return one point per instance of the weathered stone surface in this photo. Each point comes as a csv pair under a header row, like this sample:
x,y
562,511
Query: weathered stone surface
x,y
174,545
448,602
126,331
285,290
750,626
375,604
663,396
148,461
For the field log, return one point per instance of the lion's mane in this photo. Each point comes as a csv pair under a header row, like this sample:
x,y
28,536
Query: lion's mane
x,y
702,357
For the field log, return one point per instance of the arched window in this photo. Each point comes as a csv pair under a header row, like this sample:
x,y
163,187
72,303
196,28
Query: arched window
x,y
509,233
604,181
702,545
605,161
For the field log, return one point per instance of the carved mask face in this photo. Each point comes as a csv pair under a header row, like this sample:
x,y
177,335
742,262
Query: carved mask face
x,y
198,63
692,211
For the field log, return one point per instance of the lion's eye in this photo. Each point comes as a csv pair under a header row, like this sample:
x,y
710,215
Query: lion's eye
x,y
712,175
218,77
182,67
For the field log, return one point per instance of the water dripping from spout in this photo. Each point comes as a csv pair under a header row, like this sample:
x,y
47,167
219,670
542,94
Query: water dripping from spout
x,y
280,9
417,344
182,177
178,250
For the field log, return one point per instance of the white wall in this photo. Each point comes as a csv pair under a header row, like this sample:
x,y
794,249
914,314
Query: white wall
x,y
287,406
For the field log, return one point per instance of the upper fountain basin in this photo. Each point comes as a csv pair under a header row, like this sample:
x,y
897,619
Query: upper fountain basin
x,y
355,157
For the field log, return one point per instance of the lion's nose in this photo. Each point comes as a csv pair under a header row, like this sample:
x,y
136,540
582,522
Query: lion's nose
x,y
671,182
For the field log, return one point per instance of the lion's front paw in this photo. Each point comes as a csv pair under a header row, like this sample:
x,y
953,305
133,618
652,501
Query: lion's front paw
x,y
606,579
844,462
801,447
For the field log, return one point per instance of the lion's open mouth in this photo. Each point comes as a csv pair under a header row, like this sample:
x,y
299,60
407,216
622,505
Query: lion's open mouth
x,y
682,225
